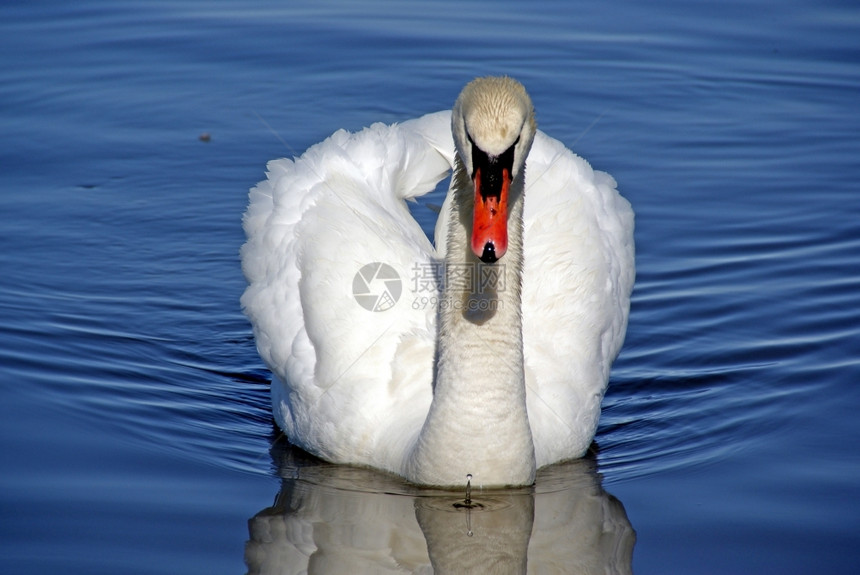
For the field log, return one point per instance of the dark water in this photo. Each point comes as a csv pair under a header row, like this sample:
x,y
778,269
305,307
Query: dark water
x,y
136,431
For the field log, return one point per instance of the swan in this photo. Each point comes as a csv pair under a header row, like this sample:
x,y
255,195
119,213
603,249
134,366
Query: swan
x,y
485,356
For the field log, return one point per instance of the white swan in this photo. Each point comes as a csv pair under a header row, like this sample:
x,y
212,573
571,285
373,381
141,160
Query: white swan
x,y
497,368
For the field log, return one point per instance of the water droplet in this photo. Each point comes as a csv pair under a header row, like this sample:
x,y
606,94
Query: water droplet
x,y
468,489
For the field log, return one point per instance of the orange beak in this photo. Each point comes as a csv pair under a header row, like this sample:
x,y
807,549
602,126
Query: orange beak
x,y
490,220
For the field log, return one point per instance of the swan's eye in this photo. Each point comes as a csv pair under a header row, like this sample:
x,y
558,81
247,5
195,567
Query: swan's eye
x,y
506,158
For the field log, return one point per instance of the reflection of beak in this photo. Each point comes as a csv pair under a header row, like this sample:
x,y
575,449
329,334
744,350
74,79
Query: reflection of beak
x,y
492,179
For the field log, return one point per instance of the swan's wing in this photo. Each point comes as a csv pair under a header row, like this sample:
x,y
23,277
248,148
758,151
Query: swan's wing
x,y
337,269
579,270
436,129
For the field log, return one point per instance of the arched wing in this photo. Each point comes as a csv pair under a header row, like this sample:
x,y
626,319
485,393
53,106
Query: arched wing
x,y
333,260
578,276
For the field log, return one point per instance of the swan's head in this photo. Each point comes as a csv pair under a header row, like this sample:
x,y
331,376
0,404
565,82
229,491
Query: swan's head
x,y
493,123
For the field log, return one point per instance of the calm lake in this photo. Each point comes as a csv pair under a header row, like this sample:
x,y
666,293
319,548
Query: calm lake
x,y
135,425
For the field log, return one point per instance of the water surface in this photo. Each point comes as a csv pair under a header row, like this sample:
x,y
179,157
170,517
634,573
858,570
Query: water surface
x,y
136,429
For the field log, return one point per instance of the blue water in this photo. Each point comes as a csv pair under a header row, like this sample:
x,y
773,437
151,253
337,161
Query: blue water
x,y
135,428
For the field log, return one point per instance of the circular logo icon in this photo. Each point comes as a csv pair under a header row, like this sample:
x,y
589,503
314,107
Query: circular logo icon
x,y
377,287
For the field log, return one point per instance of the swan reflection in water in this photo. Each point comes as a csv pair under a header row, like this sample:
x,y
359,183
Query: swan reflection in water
x,y
338,519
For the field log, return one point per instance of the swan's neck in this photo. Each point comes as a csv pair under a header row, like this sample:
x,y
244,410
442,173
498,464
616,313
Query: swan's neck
x,y
477,422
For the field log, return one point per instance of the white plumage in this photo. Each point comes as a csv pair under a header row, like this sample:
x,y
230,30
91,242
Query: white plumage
x,y
355,386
